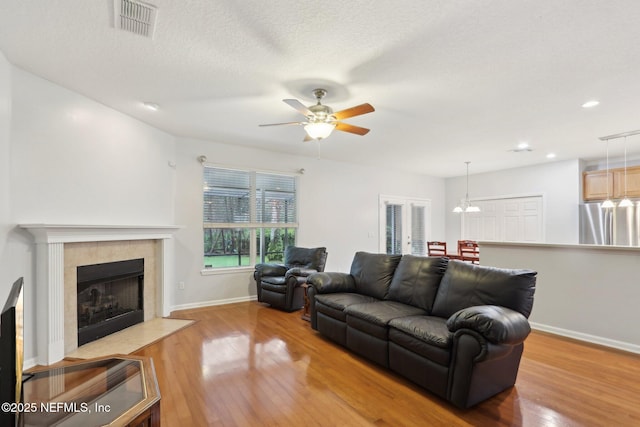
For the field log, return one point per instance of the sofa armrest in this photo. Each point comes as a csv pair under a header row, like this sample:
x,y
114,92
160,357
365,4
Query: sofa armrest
x,y
498,325
269,270
300,272
325,283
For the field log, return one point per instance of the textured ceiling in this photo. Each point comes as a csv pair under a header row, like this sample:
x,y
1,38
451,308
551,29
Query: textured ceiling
x,y
451,81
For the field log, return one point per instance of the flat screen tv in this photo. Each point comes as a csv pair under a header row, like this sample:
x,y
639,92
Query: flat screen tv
x,y
11,352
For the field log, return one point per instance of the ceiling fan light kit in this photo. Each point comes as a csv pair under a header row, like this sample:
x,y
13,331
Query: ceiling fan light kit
x,y
319,130
321,120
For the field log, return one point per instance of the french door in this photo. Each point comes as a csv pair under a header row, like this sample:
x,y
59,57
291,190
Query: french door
x,y
405,225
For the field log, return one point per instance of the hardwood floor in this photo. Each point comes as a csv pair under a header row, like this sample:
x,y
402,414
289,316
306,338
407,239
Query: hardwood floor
x,y
246,364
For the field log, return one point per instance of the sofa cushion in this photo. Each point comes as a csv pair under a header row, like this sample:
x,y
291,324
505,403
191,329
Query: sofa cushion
x,y
430,329
466,285
372,273
381,312
274,280
274,284
416,280
336,303
427,336
373,317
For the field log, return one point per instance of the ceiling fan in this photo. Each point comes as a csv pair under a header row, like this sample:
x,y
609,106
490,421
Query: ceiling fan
x,y
321,120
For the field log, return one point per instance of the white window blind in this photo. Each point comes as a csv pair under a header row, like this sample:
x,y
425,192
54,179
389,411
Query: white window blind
x,y
275,199
248,217
228,200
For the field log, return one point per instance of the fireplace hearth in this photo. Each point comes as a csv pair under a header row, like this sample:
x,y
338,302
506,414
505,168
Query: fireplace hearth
x,y
109,298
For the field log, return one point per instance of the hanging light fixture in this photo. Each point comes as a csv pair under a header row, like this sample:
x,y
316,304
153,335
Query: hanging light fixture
x,y
625,203
608,204
466,205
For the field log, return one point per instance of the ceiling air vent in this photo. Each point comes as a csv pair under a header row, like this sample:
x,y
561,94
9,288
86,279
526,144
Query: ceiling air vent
x,y
135,16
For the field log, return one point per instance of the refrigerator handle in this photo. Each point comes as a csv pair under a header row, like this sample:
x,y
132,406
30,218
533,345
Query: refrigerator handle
x,y
608,227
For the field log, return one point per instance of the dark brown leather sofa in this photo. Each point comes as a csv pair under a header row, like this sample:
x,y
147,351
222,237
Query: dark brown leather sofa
x,y
454,328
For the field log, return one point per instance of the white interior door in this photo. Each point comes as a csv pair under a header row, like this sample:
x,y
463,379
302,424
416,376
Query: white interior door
x,y
405,225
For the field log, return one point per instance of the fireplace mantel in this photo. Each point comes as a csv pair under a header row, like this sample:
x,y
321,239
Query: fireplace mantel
x,y
49,287
66,233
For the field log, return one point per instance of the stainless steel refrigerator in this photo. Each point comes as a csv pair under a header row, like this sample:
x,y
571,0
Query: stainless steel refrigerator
x,y
610,226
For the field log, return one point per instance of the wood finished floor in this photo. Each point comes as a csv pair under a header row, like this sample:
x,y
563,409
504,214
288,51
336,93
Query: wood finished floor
x,y
246,364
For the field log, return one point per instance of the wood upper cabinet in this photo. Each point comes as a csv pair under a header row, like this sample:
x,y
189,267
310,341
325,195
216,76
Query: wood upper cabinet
x,y
595,184
633,182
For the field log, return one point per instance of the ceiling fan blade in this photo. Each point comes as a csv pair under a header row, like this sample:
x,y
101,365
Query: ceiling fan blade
x,y
297,105
354,111
285,123
307,138
345,127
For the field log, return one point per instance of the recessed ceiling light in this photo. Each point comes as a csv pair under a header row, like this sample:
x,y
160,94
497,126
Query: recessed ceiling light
x,y
551,156
522,147
151,106
590,104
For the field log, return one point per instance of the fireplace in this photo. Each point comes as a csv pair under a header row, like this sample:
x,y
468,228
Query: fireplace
x,y
110,297
60,249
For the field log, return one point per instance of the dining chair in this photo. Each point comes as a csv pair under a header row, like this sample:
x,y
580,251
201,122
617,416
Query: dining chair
x,y
437,248
468,251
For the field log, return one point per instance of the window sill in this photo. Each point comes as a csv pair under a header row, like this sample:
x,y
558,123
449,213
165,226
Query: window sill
x,y
230,270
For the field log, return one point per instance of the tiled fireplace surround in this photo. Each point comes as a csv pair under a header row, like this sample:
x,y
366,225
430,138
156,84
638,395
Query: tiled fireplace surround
x,y
60,249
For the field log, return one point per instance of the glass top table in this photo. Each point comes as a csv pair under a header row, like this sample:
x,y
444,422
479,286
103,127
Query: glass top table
x,y
110,391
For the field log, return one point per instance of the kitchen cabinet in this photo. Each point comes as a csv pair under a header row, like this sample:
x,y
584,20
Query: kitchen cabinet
x,y
633,183
595,183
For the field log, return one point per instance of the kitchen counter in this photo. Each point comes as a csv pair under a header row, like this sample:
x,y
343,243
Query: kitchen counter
x,y
559,245
587,292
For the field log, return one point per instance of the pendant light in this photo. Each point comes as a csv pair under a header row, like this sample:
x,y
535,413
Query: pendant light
x,y
625,203
608,204
466,206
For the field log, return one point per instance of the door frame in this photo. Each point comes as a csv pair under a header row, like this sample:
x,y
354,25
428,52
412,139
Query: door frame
x,y
406,202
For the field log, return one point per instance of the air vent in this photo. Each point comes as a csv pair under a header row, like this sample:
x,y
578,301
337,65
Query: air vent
x,y
135,16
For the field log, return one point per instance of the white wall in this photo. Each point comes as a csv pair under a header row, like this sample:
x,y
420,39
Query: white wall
x,y
585,292
66,159
77,161
8,270
15,252
558,182
338,208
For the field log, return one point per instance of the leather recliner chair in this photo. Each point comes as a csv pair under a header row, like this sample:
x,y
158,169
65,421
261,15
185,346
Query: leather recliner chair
x,y
279,284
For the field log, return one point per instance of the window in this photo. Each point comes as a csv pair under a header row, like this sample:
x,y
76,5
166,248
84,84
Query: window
x,y
249,217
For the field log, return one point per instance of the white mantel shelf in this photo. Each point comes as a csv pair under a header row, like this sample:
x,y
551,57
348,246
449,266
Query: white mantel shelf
x,y
68,233
50,240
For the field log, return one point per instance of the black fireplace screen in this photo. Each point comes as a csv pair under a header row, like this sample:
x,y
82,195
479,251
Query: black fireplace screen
x,y
110,298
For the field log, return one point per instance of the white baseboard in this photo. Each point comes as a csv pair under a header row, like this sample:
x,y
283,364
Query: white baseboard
x,y
594,339
212,303
30,363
